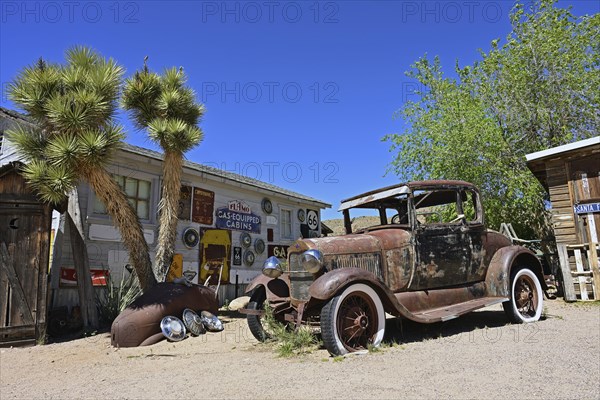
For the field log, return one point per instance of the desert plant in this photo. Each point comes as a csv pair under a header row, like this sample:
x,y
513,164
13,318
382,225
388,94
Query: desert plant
x,y
75,135
289,342
115,298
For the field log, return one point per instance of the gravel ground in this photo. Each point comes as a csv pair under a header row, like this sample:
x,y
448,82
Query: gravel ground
x,y
477,356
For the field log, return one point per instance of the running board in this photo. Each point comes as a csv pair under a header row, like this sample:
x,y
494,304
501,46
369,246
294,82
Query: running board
x,y
447,313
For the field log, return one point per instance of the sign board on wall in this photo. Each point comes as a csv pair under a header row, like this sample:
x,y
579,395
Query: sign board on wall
x,y
312,219
277,250
587,208
238,216
237,256
68,276
203,206
185,203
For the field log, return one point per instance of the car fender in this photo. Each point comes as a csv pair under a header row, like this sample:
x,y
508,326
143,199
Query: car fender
x,y
328,285
276,289
504,260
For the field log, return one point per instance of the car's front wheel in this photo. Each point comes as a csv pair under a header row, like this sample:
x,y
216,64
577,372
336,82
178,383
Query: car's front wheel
x,y
353,320
525,304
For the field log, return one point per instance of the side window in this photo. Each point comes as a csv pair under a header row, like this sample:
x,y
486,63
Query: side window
x,y
469,206
137,192
436,206
286,223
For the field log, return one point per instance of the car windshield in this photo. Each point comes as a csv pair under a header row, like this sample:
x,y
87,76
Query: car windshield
x,y
382,212
394,207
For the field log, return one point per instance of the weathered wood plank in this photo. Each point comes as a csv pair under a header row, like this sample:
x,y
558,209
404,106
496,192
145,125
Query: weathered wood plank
x,y
14,332
593,259
4,293
581,279
89,311
20,302
568,286
568,231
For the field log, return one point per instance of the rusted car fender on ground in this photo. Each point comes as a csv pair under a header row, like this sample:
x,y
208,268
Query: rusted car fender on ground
x,y
327,285
276,289
139,323
504,260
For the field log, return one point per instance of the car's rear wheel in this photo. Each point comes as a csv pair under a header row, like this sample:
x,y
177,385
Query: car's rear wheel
x,y
353,320
526,297
255,322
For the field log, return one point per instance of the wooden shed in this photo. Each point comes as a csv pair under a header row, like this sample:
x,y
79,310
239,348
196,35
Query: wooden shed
x,y
570,174
25,225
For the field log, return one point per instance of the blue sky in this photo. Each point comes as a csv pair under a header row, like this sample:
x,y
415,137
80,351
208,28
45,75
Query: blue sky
x,y
297,93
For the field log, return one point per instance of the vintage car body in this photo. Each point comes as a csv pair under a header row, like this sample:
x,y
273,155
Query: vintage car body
x,y
429,259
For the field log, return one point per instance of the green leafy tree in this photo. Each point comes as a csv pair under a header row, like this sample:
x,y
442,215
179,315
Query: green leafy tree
x,y
73,106
167,109
538,90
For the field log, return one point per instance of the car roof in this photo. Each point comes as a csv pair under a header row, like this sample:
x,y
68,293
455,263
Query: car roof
x,y
402,188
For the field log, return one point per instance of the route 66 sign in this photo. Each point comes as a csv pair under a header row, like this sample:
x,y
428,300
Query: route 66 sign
x,y
237,256
312,219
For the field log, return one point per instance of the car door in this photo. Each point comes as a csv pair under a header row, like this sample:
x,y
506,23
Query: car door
x,y
442,246
475,229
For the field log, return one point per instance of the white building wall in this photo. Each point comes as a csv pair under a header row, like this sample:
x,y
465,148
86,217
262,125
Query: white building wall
x,y
112,255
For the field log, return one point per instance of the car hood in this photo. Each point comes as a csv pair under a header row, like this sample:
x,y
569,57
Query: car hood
x,y
368,242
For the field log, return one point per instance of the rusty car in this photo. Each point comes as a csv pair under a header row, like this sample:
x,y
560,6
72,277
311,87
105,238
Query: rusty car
x,y
428,258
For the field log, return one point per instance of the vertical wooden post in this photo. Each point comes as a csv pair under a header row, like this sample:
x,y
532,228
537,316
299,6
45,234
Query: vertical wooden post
x,y
89,312
593,259
568,287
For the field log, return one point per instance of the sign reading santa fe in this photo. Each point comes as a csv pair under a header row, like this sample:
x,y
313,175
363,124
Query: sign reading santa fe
x,y
238,216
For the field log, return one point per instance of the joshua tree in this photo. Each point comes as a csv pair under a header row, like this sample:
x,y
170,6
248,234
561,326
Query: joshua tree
x,y
73,107
168,110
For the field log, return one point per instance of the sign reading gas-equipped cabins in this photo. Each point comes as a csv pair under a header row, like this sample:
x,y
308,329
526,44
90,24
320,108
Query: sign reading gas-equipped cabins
x,y
587,208
238,216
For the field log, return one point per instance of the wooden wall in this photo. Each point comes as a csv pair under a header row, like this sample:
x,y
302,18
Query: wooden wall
x,y
24,246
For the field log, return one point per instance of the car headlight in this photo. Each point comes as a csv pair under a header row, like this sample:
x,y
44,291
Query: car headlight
x,y
312,261
272,268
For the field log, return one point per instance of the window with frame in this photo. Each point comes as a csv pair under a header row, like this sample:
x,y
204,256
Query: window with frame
x,y
286,224
138,194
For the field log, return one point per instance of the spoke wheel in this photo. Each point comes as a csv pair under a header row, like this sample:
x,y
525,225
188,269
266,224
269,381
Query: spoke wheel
x,y
525,304
353,320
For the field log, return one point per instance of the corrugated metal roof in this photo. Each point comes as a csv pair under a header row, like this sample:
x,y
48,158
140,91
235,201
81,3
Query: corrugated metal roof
x,y
554,151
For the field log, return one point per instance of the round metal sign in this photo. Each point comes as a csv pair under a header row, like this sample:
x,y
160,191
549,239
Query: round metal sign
x,y
259,246
312,220
191,237
301,215
245,239
248,258
267,206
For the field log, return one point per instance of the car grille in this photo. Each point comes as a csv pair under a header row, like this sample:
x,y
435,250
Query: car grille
x,y
368,261
300,280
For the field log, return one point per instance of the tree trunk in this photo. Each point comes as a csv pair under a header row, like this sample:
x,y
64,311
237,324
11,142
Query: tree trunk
x,y
169,204
87,301
126,220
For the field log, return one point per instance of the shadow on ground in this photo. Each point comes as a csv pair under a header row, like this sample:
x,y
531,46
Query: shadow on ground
x,y
401,330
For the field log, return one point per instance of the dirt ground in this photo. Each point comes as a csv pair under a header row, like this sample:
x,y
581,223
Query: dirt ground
x,y
477,356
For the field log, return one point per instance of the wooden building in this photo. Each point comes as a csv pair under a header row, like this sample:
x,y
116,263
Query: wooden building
x,y
24,258
570,174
